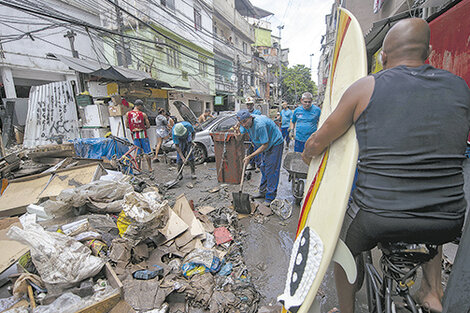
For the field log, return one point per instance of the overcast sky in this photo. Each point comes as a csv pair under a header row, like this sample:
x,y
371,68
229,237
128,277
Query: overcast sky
x,y
304,24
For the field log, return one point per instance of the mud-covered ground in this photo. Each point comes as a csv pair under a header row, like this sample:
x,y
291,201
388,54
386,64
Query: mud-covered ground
x,y
267,243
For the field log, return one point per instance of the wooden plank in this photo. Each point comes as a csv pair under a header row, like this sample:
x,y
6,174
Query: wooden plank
x,y
11,250
110,302
17,196
104,305
114,281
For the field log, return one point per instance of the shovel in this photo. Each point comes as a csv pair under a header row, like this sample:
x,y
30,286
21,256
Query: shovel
x,y
241,201
172,183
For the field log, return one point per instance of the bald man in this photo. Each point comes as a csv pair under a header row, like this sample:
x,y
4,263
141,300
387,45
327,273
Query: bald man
x,y
411,122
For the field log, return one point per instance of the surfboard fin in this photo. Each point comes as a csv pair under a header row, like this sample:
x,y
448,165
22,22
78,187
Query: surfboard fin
x,y
344,257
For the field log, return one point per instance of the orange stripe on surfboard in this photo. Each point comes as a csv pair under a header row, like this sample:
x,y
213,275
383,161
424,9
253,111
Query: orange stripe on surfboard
x,y
343,25
312,192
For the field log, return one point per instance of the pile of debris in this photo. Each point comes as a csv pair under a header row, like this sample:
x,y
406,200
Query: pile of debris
x,y
105,246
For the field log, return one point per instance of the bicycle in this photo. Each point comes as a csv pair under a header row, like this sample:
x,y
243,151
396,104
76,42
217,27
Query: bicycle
x,y
129,162
399,263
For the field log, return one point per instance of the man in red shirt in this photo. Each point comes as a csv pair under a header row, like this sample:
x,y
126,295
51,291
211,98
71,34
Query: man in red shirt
x,y
138,122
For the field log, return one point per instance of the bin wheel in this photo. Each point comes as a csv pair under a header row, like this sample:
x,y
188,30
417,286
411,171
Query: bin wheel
x,y
299,188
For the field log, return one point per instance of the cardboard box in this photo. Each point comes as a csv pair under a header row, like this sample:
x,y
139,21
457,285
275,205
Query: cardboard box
x,y
96,116
117,110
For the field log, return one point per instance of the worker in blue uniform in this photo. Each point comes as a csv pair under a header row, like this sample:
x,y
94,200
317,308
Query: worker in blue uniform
x,y
267,137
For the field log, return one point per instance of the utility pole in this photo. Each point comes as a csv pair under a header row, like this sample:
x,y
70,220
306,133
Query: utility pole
x,y
71,36
239,78
280,27
121,52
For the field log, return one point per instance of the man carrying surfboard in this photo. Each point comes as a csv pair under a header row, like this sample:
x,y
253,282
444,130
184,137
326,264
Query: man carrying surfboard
x,y
304,121
265,134
411,121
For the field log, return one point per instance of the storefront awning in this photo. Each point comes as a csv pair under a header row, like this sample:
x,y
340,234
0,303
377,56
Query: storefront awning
x,y
379,29
109,72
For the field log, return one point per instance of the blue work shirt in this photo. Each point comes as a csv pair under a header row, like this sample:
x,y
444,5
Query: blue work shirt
x,y
186,137
286,116
306,122
263,130
255,112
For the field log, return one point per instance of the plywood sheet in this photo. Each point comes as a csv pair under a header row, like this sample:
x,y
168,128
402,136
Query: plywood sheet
x,y
11,250
21,192
72,178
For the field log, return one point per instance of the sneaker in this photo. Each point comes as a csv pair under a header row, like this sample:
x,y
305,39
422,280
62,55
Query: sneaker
x,y
250,167
259,195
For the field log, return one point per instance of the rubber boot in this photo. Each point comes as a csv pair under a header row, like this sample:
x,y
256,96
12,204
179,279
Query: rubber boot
x,y
193,169
180,175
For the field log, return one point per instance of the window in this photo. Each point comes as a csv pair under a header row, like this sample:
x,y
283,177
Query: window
x,y
245,48
173,55
215,30
170,4
265,51
197,19
184,75
202,66
227,124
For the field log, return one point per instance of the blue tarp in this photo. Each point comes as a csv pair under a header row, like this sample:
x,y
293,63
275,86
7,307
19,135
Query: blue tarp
x,y
96,148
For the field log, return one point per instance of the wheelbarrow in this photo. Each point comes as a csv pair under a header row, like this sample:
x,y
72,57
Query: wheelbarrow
x,y
298,171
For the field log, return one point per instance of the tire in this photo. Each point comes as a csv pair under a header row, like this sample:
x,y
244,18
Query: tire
x,y
199,153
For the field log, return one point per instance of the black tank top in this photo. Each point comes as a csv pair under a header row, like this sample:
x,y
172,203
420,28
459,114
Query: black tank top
x,y
412,139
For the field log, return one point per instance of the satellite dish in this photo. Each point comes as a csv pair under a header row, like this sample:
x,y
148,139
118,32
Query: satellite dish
x,y
233,77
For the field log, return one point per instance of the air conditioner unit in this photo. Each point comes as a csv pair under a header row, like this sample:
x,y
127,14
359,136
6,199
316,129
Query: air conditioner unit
x,y
158,42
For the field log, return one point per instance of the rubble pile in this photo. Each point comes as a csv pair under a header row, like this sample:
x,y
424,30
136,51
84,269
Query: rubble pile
x,y
113,242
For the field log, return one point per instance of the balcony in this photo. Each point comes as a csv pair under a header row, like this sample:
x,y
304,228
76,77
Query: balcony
x,y
223,46
222,84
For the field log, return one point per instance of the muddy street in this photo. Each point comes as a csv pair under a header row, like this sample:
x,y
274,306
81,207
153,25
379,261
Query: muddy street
x,y
267,240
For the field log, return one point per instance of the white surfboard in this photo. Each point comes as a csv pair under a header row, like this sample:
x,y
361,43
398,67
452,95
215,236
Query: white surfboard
x,y
329,182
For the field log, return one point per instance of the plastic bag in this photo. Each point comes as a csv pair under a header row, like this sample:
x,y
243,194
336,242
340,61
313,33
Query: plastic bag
x,y
102,196
66,303
190,269
142,216
99,191
206,258
59,259
282,208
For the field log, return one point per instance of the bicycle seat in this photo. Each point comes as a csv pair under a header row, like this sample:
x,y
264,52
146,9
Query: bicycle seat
x,y
418,252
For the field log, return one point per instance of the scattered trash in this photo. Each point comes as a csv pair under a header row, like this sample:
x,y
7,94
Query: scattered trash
x,y
281,208
226,269
265,210
98,248
59,259
148,274
186,256
222,235
213,190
